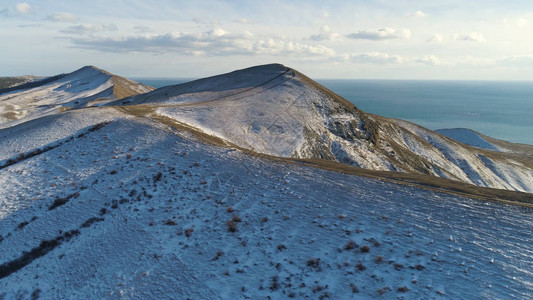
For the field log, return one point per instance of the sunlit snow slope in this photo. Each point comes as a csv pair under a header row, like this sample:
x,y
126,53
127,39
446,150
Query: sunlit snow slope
x,y
276,110
96,203
468,137
80,88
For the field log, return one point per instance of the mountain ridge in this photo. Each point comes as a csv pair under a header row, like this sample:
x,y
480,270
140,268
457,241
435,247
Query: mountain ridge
x,y
83,87
141,201
281,112
276,110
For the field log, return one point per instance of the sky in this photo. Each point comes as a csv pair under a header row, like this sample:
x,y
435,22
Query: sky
x,y
372,39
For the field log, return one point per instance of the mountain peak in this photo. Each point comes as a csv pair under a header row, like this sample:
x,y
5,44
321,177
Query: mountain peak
x,y
86,86
275,110
265,67
119,87
89,71
90,67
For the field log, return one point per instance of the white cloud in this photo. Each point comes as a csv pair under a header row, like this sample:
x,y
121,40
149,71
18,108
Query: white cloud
x,y
89,29
279,47
436,38
521,22
417,14
373,58
214,42
471,37
217,32
62,17
380,34
326,35
431,60
23,8
518,22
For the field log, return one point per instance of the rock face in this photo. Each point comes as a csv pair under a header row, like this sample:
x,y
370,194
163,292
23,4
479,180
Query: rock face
x,y
80,88
278,111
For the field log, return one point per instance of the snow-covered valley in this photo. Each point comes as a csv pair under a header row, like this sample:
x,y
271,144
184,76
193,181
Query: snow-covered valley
x,y
111,202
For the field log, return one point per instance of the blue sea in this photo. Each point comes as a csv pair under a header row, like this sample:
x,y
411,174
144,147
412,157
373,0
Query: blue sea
x,y
500,109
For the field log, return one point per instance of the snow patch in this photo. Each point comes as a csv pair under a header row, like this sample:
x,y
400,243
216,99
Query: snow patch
x,y
468,137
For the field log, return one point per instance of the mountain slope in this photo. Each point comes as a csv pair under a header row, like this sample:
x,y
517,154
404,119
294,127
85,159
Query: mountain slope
x,y
49,95
468,137
7,83
121,206
278,111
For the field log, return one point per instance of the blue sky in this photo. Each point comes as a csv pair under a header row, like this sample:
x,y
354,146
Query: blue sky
x,y
487,40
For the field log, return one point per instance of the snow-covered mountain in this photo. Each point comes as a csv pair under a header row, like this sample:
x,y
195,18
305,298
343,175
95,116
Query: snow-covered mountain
x,y
80,88
128,201
100,204
276,110
7,83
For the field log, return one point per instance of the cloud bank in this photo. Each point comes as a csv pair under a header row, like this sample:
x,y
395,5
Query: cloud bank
x,y
417,14
471,37
219,42
89,29
62,17
211,43
380,34
373,58
430,60
326,35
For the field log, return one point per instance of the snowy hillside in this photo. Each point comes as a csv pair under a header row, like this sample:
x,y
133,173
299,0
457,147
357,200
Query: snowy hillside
x,y
80,88
11,82
98,204
468,137
172,194
278,111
